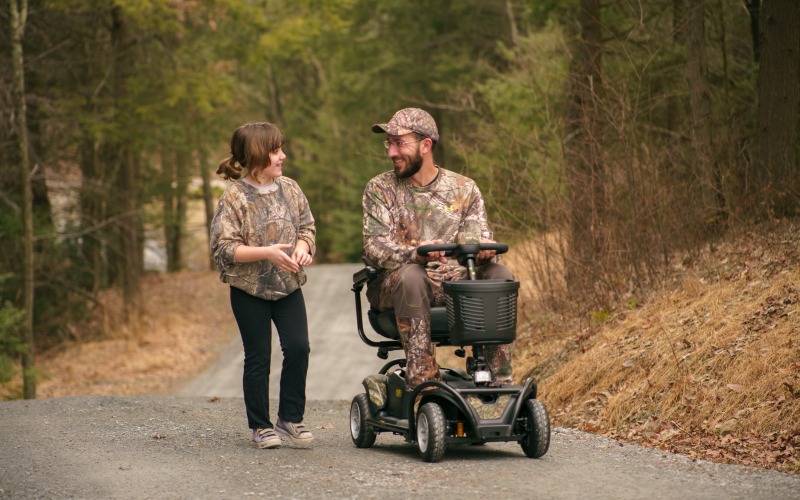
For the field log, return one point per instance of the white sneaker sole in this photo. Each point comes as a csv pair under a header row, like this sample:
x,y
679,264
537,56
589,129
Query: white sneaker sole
x,y
298,442
273,441
269,445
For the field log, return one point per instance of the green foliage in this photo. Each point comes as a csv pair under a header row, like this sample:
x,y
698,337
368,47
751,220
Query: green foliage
x,y
11,344
511,142
540,13
601,315
336,231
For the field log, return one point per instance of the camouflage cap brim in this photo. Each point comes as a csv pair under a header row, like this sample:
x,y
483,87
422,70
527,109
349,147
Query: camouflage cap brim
x,y
407,121
390,129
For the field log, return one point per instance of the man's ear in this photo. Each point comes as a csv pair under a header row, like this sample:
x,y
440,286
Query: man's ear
x,y
427,144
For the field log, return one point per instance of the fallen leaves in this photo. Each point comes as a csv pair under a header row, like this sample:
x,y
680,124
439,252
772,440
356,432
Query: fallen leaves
x,y
777,450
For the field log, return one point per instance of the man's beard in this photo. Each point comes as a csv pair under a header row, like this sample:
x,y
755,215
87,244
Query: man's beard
x,y
412,167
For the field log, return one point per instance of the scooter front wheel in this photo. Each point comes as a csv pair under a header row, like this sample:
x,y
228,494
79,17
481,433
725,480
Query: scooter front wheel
x,y
536,442
431,428
361,432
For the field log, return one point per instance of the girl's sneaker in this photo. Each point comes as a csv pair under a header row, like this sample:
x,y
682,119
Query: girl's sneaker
x,y
266,438
297,434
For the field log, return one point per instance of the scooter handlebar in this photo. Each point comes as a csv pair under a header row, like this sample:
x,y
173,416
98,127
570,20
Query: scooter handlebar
x,y
456,249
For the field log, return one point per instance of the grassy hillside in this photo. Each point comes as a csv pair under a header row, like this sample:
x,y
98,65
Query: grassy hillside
x,y
708,367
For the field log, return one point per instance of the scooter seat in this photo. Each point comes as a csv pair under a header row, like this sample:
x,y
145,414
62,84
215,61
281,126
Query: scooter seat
x,y
384,323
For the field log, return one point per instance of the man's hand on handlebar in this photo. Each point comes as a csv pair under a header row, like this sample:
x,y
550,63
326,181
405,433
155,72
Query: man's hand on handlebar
x,y
486,254
432,256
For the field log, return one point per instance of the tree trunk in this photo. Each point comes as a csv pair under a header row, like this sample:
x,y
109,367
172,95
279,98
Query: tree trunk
x,y
129,224
184,162
274,109
19,14
585,176
208,201
175,209
778,107
168,216
706,166
512,23
678,37
92,208
754,8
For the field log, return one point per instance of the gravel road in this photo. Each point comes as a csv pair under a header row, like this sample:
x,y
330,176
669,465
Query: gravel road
x,y
195,444
181,447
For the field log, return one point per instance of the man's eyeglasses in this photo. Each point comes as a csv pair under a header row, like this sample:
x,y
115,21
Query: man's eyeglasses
x,y
388,144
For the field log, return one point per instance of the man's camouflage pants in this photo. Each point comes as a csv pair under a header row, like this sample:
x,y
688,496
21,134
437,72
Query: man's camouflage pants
x,y
411,293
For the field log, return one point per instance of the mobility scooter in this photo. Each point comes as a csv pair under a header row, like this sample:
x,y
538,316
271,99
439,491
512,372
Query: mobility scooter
x,y
465,407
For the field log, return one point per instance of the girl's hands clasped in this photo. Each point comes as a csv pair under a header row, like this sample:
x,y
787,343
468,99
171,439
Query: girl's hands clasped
x,y
300,256
277,255
302,253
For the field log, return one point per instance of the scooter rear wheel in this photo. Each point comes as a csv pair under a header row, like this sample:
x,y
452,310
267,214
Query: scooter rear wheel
x,y
536,442
431,429
361,432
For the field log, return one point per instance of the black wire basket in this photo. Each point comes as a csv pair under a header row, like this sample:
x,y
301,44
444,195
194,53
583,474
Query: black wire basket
x,y
482,311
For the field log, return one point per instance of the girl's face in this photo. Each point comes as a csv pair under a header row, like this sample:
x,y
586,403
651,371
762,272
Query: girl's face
x,y
275,168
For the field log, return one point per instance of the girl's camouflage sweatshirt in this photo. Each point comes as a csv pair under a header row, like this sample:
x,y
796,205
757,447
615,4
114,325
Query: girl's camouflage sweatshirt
x,y
247,215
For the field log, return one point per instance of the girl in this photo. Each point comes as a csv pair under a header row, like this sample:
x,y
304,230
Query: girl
x,y
262,235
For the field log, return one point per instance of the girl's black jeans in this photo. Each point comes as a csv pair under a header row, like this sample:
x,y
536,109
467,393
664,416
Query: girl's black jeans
x,y
255,317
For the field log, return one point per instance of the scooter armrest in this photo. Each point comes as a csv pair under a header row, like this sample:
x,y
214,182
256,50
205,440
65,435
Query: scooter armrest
x,y
365,275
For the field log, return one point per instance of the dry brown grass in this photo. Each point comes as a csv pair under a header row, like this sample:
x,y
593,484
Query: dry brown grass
x,y
715,356
709,367
186,318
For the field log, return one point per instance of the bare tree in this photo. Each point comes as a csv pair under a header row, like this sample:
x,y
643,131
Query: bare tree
x,y
129,227
19,15
208,198
706,166
754,9
585,170
777,133
177,172
678,37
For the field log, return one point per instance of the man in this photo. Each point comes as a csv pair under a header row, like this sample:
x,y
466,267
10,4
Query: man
x,y
421,203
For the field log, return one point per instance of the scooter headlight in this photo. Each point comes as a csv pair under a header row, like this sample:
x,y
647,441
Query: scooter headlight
x,y
482,377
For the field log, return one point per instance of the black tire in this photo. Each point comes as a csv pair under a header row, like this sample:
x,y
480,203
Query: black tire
x,y
431,432
536,442
360,431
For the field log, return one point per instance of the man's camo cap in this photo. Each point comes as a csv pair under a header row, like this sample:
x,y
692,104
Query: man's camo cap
x,y
407,121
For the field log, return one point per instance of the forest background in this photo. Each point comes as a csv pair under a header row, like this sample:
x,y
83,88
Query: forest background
x,y
611,139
